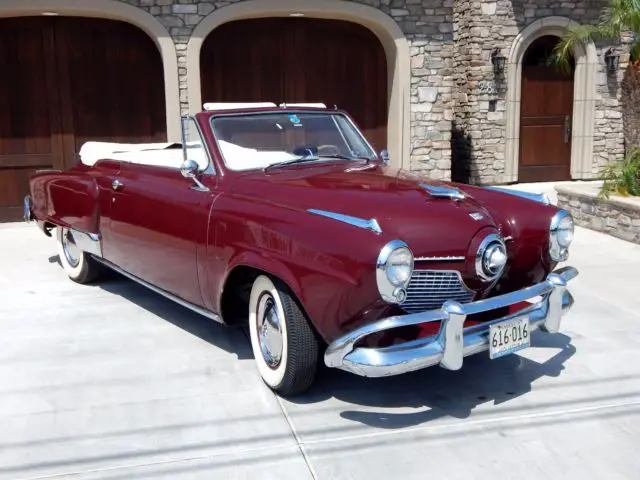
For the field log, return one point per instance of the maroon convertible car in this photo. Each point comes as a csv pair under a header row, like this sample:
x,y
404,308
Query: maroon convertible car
x,y
285,218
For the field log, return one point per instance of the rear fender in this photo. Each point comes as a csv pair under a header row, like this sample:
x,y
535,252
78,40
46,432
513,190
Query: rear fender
x,y
66,199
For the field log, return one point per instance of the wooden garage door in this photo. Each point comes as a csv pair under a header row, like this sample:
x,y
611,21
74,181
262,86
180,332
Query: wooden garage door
x,y
72,80
299,60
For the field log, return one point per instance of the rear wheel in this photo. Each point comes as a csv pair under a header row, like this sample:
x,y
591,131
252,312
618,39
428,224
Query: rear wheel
x,y
284,344
77,264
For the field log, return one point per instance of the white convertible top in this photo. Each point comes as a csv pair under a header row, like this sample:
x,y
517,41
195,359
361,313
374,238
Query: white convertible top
x,y
157,154
170,155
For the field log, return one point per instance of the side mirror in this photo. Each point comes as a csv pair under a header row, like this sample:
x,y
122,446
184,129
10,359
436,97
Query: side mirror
x,y
189,169
384,155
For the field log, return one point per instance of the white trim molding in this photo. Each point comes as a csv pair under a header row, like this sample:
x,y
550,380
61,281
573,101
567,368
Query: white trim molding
x,y
116,10
584,95
391,37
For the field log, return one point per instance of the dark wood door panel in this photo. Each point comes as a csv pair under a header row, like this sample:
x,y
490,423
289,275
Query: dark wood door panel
x,y
244,62
299,61
29,128
545,117
111,82
72,80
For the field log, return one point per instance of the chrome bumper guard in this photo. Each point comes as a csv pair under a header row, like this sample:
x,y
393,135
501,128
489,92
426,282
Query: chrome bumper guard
x,y
453,342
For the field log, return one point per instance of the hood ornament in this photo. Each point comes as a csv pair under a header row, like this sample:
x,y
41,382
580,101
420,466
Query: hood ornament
x,y
444,192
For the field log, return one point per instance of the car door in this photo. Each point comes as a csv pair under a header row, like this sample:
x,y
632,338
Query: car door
x,y
159,222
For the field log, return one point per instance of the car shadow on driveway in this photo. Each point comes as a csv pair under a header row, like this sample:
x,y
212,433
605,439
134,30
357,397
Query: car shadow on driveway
x,y
229,339
445,393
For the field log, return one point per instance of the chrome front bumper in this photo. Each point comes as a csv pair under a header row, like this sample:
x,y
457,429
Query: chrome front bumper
x,y
453,342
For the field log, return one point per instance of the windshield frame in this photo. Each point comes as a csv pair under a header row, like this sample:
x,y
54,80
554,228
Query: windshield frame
x,y
333,113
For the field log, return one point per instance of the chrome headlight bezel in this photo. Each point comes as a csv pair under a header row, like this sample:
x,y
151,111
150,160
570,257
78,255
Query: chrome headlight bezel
x,y
492,244
561,231
393,291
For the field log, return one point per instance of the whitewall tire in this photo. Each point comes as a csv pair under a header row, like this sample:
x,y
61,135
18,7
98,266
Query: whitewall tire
x,y
284,345
77,264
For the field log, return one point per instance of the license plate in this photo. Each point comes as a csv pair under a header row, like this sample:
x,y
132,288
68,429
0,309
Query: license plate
x,y
509,337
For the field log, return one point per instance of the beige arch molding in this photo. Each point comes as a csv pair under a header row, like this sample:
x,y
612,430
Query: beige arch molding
x,y
584,94
384,27
116,10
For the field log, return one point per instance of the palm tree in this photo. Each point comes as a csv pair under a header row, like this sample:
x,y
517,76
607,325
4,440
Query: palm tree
x,y
619,17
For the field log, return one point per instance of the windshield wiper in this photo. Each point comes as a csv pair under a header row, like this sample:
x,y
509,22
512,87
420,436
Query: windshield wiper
x,y
291,162
309,159
345,157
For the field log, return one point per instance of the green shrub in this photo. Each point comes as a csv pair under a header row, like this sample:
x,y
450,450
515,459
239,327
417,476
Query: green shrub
x,y
622,178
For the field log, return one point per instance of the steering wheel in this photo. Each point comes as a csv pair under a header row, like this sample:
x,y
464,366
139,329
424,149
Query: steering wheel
x,y
328,150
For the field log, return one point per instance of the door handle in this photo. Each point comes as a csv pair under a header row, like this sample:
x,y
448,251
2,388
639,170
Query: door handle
x,y
116,184
567,128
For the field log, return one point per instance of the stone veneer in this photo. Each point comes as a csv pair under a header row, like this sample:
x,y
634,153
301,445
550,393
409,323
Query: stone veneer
x,y
617,216
450,44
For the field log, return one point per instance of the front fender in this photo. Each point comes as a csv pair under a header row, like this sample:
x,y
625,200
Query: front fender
x,y
328,265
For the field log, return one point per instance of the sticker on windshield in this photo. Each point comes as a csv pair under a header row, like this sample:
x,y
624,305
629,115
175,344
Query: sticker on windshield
x,y
293,118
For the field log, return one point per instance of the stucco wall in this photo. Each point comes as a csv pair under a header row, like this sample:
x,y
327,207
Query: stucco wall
x,y
437,63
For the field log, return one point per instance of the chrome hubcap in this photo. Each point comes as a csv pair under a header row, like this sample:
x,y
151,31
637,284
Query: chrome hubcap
x,y
269,331
70,249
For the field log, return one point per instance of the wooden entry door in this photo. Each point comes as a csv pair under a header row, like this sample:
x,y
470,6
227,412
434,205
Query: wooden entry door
x,y
546,115
299,60
71,80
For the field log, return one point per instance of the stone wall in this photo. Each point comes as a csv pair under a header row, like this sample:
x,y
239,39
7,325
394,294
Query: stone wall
x,y
450,46
485,25
617,216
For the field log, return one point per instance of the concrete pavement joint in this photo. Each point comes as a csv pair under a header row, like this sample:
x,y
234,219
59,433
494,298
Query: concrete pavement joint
x,y
297,437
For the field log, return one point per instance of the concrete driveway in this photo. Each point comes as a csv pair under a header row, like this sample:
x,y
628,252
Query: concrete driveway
x,y
113,381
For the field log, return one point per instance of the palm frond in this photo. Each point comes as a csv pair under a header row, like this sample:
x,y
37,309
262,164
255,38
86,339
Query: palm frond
x,y
574,37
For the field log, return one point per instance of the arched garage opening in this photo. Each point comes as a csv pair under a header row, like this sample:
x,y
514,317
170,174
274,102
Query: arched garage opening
x,y
299,60
72,79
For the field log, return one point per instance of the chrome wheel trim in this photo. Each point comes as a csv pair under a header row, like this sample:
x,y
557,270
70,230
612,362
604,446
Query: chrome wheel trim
x,y
269,331
71,251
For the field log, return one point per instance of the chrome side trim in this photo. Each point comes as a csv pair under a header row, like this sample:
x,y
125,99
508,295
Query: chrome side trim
x,y
164,293
370,224
536,197
444,192
439,259
453,342
88,242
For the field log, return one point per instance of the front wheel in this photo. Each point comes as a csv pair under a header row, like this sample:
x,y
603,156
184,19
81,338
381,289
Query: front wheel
x,y
77,264
284,344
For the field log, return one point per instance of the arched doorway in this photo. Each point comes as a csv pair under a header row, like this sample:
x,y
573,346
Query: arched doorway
x,y
546,115
299,60
72,79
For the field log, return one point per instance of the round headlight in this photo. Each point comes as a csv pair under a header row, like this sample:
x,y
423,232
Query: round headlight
x,y
399,266
560,235
491,257
393,271
494,259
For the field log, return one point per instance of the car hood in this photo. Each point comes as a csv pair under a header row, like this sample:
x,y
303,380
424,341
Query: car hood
x,y
396,199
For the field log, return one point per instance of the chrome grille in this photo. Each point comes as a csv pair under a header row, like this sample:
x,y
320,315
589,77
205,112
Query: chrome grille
x,y
429,289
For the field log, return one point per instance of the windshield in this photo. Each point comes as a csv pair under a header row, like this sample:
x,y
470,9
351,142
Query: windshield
x,y
256,141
